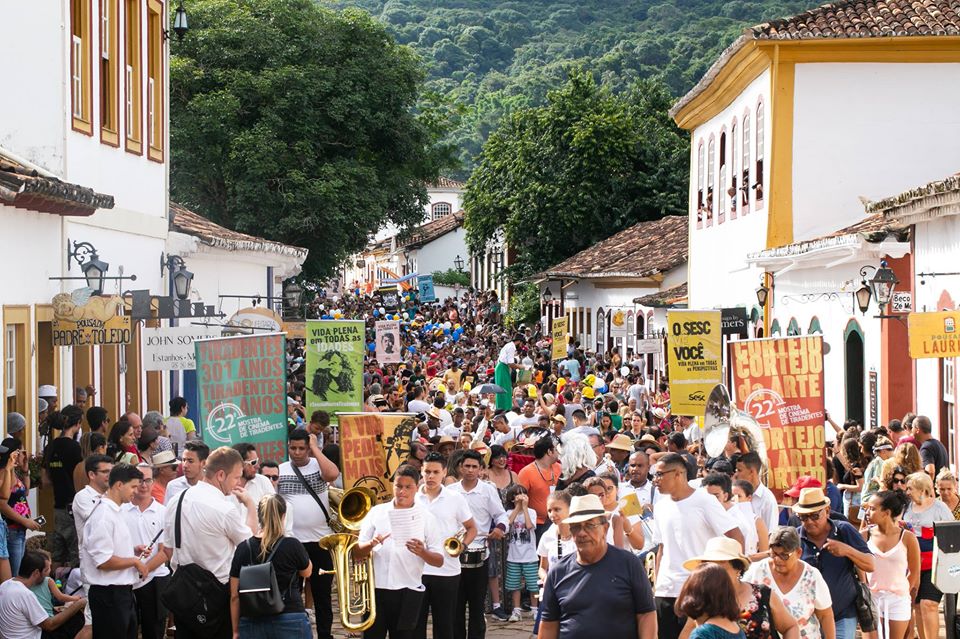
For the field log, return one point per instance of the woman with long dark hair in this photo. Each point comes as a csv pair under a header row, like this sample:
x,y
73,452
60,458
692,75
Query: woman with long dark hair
x,y
119,442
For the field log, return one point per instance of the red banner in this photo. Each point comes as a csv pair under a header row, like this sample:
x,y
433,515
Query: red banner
x,y
779,382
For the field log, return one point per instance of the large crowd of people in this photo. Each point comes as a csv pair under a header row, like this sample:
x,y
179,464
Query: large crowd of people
x,y
560,497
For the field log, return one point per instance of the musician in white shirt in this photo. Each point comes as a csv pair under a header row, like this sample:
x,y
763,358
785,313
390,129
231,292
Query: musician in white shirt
x,y
399,555
491,520
98,469
144,519
194,458
108,561
210,528
452,514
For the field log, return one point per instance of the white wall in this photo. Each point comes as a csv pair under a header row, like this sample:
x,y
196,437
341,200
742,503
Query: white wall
x,y
440,254
718,274
30,255
453,197
869,130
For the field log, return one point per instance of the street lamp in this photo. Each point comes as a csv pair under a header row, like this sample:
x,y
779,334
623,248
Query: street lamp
x,y
497,259
293,294
547,295
881,286
94,269
180,26
762,292
180,277
458,262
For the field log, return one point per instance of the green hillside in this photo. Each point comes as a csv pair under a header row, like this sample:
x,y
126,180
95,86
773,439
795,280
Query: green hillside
x,y
488,57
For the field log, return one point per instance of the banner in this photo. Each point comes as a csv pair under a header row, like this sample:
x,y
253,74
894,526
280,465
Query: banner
x,y
558,331
425,287
618,323
241,383
693,358
734,322
372,447
934,334
171,348
388,342
779,382
81,319
335,365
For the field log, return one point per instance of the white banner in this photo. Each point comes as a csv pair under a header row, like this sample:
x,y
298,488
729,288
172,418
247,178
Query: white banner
x,y
171,348
388,342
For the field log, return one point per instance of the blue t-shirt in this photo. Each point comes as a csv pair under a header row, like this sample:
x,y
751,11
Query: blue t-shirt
x,y
838,572
570,596
710,631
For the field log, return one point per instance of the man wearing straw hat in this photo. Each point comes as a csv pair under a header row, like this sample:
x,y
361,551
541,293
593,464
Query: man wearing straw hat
x,y
571,606
835,548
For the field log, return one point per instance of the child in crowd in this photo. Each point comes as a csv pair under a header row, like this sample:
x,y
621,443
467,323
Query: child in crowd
x,y
522,560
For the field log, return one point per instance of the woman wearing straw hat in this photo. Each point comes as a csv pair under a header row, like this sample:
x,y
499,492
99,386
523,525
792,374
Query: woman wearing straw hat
x,y
570,605
761,610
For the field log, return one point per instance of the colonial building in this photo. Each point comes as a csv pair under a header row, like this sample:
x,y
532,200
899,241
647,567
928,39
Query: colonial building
x,y
598,288
798,123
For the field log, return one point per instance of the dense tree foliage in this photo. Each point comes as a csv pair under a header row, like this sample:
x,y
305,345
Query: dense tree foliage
x,y
560,177
496,56
301,124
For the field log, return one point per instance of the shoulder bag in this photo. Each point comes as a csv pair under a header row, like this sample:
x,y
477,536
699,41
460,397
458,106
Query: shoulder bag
x,y
313,493
194,595
866,610
259,594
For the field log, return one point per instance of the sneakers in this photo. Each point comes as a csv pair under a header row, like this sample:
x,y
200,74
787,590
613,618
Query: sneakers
x,y
500,614
515,615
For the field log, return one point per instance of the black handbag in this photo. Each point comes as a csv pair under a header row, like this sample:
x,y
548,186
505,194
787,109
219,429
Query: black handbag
x,y
260,595
866,612
197,599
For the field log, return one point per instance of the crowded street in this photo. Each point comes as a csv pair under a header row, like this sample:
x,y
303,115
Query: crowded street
x,y
486,320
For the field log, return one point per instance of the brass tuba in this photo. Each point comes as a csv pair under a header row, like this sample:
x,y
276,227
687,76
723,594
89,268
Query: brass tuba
x,y
355,585
723,421
453,546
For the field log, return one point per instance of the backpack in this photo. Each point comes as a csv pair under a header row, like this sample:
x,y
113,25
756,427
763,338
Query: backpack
x,y
259,594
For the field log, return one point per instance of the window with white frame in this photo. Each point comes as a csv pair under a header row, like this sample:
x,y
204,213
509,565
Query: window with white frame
x,y
732,191
10,360
758,186
700,170
745,166
722,207
711,155
441,210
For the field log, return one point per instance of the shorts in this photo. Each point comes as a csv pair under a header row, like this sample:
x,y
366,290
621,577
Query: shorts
x,y
891,606
495,558
526,570
927,590
4,553
63,542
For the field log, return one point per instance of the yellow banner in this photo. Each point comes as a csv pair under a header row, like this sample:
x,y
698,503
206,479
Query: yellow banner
x,y
559,333
372,447
694,359
934,334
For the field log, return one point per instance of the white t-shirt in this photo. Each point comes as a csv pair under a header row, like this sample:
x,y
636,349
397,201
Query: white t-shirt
x,y
309,522
549,548
765,506
419,406
520,421
508,354
684,527
174,488
522,541
394,566
502,438
20,612
747,522
450,510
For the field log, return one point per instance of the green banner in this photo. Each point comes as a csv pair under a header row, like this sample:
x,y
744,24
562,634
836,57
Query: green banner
x,y
335,366
241,385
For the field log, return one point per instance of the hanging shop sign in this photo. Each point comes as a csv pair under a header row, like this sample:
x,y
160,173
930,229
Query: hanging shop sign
x,y
170,348
734,321
934,335
81,319
256,319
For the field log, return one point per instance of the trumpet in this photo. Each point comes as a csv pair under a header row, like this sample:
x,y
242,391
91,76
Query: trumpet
x,y
355,584
453,546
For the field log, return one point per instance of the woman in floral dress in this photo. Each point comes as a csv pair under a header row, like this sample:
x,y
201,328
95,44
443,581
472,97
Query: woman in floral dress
x,y
798,584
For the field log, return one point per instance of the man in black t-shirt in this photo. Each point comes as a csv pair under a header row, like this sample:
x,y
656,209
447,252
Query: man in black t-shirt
x,y
60,458
570,605
933,454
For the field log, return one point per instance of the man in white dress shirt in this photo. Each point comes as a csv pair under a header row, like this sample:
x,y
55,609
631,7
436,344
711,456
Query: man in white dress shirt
x,y
764,503
399,555
211,529
108,561
195,455
253,483
452,513
491,521
98,469
144,519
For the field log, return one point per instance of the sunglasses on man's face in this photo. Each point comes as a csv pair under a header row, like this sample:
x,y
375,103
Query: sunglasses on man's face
x,y
810,516
898,480
272,477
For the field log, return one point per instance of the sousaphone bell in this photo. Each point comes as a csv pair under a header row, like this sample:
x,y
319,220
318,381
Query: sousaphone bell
x,y
722,421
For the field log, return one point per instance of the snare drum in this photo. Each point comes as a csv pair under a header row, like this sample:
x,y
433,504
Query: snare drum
x,y
473,558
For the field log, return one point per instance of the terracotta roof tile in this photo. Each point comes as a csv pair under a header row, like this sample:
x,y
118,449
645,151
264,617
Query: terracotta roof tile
x,y
430,231
186,221
28,189
642,250
446,183
866,19
669,297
